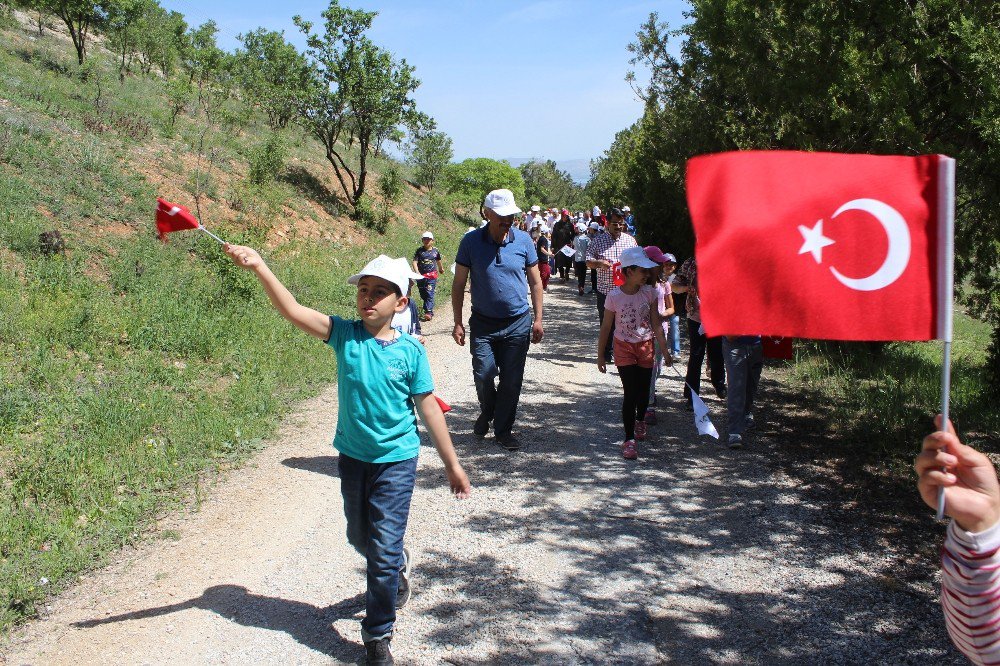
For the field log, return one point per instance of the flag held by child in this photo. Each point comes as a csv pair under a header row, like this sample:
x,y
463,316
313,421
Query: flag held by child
x,y
702,421
823,245
172,217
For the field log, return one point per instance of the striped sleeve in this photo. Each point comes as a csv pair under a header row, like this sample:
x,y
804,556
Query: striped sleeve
x,y
970,592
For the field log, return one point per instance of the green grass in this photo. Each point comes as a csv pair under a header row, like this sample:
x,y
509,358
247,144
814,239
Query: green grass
x,y
133,370
882,397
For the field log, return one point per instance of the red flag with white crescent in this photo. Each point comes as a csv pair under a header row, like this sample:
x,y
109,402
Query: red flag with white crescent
x,y
173,217
823,245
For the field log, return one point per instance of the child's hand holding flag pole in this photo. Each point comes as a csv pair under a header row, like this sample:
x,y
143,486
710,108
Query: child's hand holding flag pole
x,y
173,217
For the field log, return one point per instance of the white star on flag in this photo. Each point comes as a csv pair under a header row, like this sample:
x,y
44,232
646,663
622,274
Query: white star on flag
x,y
815,241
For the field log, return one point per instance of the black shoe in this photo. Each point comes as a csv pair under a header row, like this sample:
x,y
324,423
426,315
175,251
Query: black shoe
x,y
509,442
378,653
721,392
404,590
482,426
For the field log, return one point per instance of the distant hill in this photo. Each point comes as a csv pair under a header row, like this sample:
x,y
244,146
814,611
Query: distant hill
x,y
578,169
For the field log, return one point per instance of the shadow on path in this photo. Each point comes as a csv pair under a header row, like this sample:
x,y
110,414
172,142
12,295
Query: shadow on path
x,y
307,624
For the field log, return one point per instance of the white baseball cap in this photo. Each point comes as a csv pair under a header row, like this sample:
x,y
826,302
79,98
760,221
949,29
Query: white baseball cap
x,y
396,271
535,209
580,226
636,256
501,202
594,225
428,234
596,211
626,209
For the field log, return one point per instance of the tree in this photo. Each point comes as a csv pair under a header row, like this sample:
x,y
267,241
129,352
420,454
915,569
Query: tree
x,y
272,74
201,57
471,180
901,76
122,26
358,93
430,153
79,16
545,184
159,37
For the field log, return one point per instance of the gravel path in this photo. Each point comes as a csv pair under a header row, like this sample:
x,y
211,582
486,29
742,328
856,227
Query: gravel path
x,y
565,554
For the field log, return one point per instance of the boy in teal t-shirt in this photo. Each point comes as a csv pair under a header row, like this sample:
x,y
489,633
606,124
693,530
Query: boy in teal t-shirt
x,y
382,374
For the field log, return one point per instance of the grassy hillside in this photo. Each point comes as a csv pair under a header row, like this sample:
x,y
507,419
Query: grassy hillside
x,y
132,370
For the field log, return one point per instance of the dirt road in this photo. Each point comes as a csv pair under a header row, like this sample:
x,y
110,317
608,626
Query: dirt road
x,y
565,554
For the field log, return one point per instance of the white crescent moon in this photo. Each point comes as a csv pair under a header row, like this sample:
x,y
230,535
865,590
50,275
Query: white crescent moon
x,y
898,256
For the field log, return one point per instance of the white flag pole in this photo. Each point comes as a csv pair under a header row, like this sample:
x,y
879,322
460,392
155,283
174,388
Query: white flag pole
x,y
202,228
946,286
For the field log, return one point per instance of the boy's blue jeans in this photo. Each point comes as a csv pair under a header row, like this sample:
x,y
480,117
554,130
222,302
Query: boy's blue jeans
x,y
376,505
499,349
427,287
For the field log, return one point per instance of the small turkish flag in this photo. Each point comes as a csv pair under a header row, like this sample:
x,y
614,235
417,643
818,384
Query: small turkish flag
x,y
172,217
823,245
780,348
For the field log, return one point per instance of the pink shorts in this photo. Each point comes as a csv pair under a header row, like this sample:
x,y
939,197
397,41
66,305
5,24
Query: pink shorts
x,y
634,353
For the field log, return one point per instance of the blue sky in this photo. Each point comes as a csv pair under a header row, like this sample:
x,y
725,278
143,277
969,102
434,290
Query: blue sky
x,y
542,78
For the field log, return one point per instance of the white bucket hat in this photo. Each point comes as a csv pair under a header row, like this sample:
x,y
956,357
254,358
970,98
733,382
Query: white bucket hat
x,y
596,211
501,202
396,271
636,256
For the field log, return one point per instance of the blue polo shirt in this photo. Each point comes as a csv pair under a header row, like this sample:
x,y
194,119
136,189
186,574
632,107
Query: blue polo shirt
x,y
499,284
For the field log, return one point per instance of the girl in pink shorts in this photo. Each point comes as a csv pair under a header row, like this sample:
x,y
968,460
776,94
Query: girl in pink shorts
x,y
632,310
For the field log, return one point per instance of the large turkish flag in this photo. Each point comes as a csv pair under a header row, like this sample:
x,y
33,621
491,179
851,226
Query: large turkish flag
x,y
823,245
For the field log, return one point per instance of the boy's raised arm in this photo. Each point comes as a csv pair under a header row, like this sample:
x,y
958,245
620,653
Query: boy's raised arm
x,y
311,321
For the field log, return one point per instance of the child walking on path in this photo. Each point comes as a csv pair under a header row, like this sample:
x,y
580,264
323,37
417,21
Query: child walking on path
x,y
382,374
427,261
665,307
632,310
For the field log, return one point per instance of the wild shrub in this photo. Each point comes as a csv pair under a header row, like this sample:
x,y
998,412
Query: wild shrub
x,y
267,159
390,185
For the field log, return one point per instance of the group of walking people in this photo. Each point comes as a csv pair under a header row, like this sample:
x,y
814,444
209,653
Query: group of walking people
x,y
384,381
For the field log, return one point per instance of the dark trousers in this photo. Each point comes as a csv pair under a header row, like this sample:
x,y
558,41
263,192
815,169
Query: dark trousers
x,y
562,265
744,362
635,383
499,349
600,318
580,267
699,344
376,506
593,279
427,287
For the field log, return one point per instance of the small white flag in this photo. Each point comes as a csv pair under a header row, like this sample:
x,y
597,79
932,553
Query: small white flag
x,y
568,250
701,419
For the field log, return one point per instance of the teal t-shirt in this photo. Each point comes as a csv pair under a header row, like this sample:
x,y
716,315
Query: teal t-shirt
x,y
376,383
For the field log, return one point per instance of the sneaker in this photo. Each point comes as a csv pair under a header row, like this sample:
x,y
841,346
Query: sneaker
x,y
650,417
404,590
482,426
750,423
509,442
735,441
427,316
378,653
629,452
640,430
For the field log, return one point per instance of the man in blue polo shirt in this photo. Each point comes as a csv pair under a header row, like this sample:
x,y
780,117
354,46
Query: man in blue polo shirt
x,y
502,262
